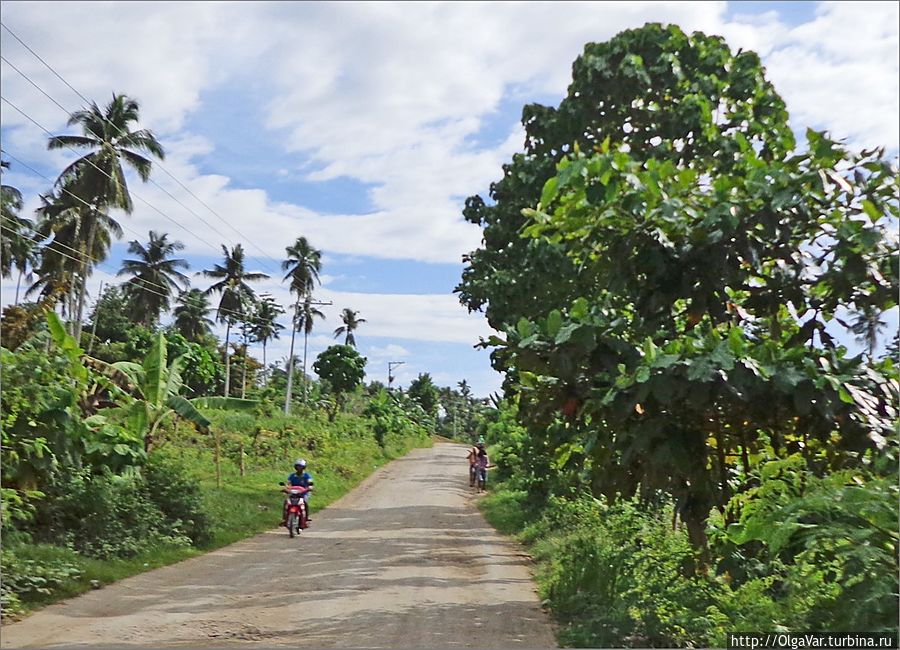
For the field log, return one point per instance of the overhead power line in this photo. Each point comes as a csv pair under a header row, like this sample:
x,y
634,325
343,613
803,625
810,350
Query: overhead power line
x,y
166,171
147,283
92,164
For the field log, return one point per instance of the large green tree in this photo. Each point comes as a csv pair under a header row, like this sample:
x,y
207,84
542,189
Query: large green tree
x,y
343,368
236,296
61,219
423,391
98,177
660,92
666,269
154,277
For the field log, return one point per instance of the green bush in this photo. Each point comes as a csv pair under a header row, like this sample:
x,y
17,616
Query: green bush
x,y
104,516
178,498
806,554
27,579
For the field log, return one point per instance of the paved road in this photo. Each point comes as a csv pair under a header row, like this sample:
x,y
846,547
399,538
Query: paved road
x,y
404,561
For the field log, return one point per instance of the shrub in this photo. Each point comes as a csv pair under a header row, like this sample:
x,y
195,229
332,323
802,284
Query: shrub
x,y
28,579
178,498
104,516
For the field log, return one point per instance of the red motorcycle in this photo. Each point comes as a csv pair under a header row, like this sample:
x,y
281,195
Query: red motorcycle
x,y
295,519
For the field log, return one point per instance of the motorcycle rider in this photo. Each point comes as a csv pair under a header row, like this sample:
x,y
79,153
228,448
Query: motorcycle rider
x,y
300,478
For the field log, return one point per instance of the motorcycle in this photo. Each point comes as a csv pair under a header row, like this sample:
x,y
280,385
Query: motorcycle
x,y
296,519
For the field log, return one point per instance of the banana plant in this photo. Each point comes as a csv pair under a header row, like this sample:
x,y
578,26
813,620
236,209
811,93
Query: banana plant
x,y
149,392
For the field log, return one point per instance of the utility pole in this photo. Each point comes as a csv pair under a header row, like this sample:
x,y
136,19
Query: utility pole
x,y
391,366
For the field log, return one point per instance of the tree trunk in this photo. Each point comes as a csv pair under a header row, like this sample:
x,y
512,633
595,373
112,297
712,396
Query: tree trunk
x,y
305,380
242,459
724,490
244,373
18,284
290,377
218,459
70,298
227,359
265,367
92,233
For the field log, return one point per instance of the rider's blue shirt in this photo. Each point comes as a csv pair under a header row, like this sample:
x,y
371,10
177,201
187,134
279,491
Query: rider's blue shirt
x,y
303,480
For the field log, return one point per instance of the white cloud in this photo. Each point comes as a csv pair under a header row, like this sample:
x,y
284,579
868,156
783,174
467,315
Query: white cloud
x,y
388,94
840,72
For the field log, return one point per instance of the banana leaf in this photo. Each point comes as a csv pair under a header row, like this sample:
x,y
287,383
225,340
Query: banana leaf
x,y
188,411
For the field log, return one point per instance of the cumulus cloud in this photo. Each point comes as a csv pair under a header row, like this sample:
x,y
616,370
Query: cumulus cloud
x,y
397,96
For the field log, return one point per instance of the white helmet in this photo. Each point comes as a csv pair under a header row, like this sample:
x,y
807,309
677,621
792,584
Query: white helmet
x,y
300,463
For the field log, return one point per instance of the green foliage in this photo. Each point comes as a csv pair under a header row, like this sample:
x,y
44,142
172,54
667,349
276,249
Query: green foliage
x,y
110,318
202,370
104,516
25,579
342,368
391,414
424,392
667,273
845,523
178,498
619,575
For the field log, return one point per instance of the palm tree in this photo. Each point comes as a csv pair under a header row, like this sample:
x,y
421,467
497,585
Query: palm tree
x,y
303,264
192,315
60,219
18,248
98,178
867,326
266,327
305,317
246,333
236,295
155,277
351,322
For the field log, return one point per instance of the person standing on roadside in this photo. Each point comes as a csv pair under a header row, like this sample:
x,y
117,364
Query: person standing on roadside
x,y
481,466
472,457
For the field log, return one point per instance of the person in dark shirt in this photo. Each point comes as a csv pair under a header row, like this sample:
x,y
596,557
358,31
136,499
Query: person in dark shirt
x,y
301,478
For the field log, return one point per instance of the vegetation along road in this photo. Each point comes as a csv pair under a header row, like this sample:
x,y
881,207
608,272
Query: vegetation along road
x,y
405,560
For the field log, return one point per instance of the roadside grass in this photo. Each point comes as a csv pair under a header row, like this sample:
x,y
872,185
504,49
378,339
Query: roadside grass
x,y
505,509
242,507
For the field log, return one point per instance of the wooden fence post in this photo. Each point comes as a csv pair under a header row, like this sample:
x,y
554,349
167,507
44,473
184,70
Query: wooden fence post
x,y
218,460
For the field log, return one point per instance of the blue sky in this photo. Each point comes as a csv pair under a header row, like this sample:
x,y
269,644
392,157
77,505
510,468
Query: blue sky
x,y
363,126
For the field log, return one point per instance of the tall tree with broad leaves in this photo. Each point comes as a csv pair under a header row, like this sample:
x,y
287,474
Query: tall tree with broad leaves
x,y
235,295
265,326
302,267
645,259
351,324
343,368
192,315
155,277
98,177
